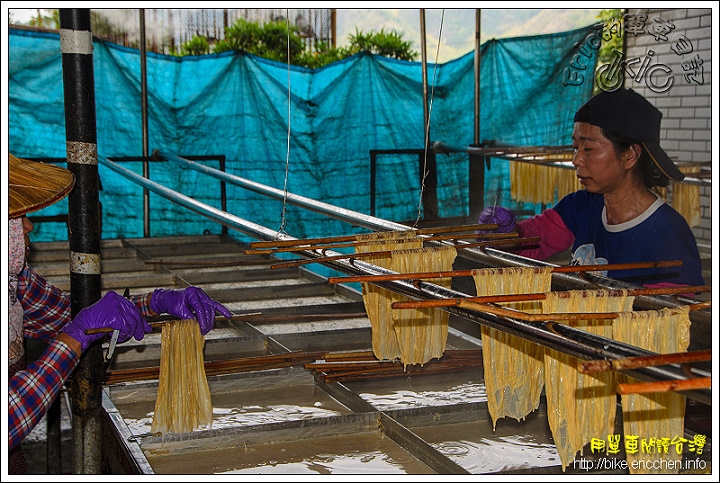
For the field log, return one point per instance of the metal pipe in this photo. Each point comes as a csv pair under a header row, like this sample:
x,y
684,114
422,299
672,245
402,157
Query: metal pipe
x,y
476,136
144,113
487,257
423,54
349,216
231,221
84,222
563,338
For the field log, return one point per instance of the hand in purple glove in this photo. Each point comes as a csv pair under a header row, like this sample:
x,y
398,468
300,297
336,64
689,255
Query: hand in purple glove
x,y
188,303
112,311
504,218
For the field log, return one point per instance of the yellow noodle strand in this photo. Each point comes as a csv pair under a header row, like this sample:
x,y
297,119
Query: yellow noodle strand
x,y
414,336
183,402
580,406
513,366
656,416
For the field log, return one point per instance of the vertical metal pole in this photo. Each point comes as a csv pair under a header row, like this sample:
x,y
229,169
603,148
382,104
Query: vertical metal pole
x,y
373,168
476,175
53,450
428,170
423,51
146,163
333,26
84,228
477,76
223,193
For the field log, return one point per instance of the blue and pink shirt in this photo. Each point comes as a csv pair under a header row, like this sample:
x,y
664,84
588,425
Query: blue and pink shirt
x,y
579,222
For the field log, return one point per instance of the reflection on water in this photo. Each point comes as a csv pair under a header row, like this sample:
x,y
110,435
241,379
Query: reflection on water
x,y
248,407
506,453
364,453
406,398
513,445
243,416
374,462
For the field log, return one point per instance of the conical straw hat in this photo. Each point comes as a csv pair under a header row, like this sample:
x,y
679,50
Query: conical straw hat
x,y
34,185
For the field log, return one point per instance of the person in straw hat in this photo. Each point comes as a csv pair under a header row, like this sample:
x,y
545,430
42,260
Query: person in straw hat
x,y
42,311
618,217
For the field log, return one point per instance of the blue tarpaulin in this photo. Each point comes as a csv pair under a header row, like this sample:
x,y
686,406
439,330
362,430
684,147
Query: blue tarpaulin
x,y
237,105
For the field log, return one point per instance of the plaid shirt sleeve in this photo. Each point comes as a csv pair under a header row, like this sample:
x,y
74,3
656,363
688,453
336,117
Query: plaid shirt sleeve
x,y
46,307
35,388
142,302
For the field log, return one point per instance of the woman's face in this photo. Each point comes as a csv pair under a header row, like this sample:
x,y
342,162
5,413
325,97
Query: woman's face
x,y
597,165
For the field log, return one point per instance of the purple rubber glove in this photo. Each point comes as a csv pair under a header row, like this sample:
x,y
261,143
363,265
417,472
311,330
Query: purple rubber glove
x,y
188,303
113,312
504,218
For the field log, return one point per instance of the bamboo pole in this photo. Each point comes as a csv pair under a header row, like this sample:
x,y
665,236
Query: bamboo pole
x,y
346,238
295,263
387,253
349,356
227,366
223,263
396,372
665,386
518,314
340,369
160,323
493,243
420,304
643,361
299,248
469,273
454,359
271,319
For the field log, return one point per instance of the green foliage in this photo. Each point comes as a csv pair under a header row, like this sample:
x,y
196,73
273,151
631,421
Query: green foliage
x,y
611,40
269,41
386,44
323,55
242,35
46,18
198,45
273,41
614,42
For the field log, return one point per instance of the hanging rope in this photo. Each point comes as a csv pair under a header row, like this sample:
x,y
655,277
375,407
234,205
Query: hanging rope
x,y
427,125
283,220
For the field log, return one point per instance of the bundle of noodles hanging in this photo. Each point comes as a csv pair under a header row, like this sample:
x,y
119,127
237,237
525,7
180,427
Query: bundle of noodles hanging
x,y
384,342
580,407
513,366
518,172
686,198
652,417
532,182
421,333
183,402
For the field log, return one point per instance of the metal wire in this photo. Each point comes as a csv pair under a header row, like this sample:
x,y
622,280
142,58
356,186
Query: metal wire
x,y
283,219
427,126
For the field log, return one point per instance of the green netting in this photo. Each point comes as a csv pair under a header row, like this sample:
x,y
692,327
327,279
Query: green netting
x,y
236,105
